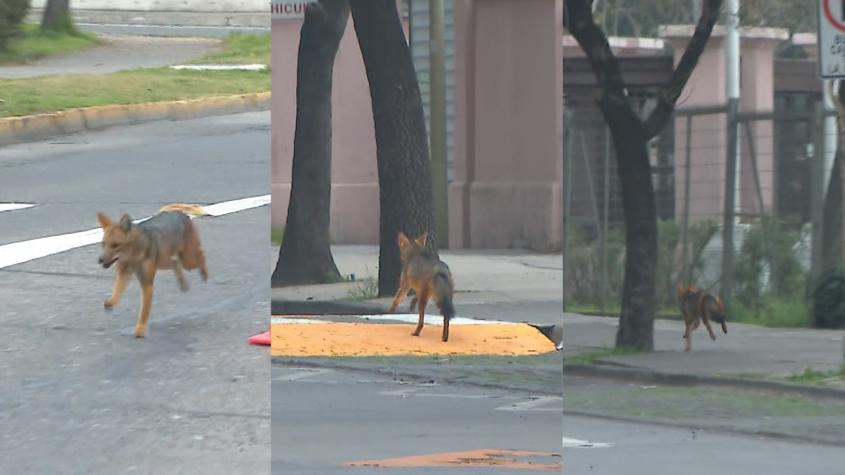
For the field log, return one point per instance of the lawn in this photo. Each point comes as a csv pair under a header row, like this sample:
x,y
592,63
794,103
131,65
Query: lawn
x,y
54,93
37,44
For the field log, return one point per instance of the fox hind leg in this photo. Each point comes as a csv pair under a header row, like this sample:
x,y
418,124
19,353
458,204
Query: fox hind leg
x,y
422,295
180,276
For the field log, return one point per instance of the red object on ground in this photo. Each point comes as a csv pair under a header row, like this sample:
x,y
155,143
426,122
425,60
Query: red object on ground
x,y
260,339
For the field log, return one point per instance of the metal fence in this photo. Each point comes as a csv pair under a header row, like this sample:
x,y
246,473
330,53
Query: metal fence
x,y
776,219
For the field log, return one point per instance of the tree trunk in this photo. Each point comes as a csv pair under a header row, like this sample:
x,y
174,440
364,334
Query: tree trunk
x,y
630,139
404,169
636,322
56,15
305,256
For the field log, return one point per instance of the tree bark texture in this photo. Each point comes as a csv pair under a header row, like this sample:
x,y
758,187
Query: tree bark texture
x,y
305,256
404,168
56,15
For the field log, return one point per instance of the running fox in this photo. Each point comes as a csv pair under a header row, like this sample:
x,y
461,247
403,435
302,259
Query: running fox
x,y
428,277
168,240
698,306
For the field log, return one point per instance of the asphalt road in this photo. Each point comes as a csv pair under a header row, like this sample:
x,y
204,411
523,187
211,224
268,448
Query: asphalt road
x,y
655,430
324,418
643,449
79,394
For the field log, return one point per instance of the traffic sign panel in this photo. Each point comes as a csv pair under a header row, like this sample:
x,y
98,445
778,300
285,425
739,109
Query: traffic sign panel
x,y
831,38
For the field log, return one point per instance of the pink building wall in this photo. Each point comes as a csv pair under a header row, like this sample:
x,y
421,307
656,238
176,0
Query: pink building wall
x,y
509,125
354,209
708,143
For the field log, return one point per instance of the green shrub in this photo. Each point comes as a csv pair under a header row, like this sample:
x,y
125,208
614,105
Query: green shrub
x,y
12,14
769,243
829,300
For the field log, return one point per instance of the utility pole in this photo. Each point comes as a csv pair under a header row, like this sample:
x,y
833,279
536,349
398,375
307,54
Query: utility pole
x,y
437,122
732,181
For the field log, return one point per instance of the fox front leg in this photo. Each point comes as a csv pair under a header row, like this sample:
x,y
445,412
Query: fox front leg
x,y
121,280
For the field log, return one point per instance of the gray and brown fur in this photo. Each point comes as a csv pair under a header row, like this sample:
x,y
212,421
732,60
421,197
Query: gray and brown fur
x,y
697,307
428,277
168,240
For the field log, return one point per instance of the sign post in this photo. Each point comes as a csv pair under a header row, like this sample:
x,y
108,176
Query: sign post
x,y
831,39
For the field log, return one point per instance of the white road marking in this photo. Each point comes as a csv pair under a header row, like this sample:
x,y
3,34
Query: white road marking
x,y
530,404
400,317
25,251
14,206
584,444
234,206
221,67
302,374
534,404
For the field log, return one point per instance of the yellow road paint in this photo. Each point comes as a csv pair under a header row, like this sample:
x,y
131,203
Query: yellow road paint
x,y
373,339
471,458
193,210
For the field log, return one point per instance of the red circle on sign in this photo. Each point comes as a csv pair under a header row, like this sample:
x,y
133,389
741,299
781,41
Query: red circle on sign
x,y
829,15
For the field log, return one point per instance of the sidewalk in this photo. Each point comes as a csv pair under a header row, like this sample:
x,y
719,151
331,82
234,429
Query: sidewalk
x,y
117,53
519,286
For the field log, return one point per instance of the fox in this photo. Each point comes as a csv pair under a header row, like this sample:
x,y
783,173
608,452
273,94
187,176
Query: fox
x,y
168,240
698,306
428,277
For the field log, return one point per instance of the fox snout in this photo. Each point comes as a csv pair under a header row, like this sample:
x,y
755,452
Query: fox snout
x,y
106,262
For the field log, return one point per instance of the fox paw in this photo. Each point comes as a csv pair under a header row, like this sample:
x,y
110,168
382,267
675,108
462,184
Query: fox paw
x,y
108,304
140,333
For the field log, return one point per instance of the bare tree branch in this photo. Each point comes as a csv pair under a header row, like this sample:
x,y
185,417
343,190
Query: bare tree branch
x,y
578,18
669,94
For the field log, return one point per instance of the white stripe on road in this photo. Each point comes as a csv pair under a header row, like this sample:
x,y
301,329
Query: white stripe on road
x,y
24,251
220,67
14,206
583,444
534,404
234,206
400,317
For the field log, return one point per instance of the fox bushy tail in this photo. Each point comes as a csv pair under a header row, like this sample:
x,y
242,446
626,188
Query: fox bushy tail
x,y
443,294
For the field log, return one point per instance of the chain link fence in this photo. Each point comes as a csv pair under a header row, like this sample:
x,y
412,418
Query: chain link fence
x,y
777,211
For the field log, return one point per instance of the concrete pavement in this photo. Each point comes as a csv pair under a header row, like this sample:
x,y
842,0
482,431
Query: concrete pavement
x,y
521,286
117,53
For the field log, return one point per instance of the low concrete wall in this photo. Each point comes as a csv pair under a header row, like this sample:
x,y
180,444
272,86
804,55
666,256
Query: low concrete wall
x,y
237,13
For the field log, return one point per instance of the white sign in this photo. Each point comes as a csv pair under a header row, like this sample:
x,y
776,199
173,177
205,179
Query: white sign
x,y
831,39
289,9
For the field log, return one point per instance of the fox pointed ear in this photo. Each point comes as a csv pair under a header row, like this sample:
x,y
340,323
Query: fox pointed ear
x,y
125,222
403,240
103,220
421,240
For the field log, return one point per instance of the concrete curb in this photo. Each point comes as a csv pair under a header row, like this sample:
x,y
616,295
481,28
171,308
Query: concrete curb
x,y
672,379
402,374
340,307
324,307
40,126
